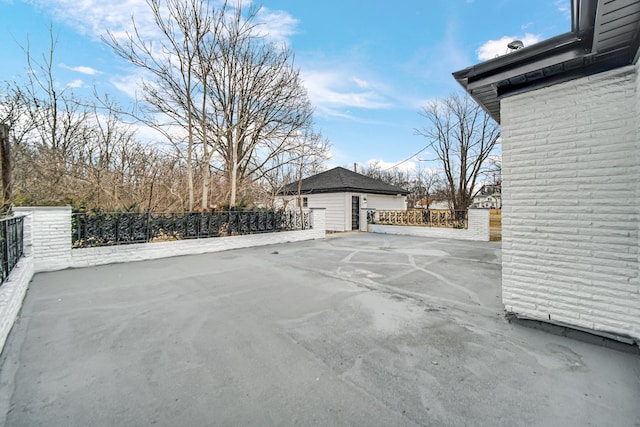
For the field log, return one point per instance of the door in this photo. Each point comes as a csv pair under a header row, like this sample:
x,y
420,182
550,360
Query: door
x,y
355,212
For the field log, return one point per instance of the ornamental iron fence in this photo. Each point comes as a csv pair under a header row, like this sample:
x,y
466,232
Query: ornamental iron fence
x,y
11,243
121,228
420,217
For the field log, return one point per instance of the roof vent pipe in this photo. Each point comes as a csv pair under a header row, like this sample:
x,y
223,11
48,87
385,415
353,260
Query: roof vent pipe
x,y
515,45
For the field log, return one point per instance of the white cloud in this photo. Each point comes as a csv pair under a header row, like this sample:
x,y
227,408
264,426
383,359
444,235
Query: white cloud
x,y
82,69
130,84
94,17
564,6
495,48
409,167
525,26
333,92
148,134
419,103
361,83
276,25
75,84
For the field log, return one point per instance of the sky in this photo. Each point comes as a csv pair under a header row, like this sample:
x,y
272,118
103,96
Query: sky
x,y
368,65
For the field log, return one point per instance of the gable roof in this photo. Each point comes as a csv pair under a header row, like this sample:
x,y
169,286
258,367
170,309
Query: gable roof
x,y
339,180
605,34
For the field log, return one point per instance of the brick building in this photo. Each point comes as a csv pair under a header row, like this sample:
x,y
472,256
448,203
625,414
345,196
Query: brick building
x,y
570,112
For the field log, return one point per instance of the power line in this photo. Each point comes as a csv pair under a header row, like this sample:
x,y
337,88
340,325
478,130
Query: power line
x,y
409,158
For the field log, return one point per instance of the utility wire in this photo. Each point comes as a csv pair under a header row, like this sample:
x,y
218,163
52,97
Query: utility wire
x,y
409,158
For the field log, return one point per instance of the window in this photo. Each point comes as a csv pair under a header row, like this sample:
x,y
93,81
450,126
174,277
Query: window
x,y
305,202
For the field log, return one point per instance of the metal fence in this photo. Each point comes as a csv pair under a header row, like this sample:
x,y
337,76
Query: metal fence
x,y
119,228
11,243
420,217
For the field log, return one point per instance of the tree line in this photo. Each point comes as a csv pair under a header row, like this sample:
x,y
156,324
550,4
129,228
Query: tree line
x,y
463,138
425,186
233,116
233,121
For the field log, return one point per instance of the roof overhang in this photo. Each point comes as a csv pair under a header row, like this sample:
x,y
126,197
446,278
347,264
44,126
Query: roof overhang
x,y
286,192
604,35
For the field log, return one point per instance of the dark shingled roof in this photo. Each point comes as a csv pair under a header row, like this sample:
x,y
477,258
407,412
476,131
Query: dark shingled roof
x,y
338,180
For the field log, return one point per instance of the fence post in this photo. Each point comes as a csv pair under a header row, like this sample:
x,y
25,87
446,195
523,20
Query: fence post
x,y
5,165
478,223
364,218
49,236
5,243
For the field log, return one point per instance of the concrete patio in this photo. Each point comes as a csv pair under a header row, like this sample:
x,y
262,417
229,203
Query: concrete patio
x,y
355,329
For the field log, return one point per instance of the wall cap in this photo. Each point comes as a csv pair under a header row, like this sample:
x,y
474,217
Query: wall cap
x,y
41,208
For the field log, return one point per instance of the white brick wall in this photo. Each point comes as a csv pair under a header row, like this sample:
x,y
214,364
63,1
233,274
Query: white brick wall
x,y
47,236
477,229
570,225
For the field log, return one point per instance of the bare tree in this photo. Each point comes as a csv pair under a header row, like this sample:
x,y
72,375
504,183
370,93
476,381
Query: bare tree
x,y
179,63
260,102
77,151
463,136
290,167
393,176
493,169
225,99
307,159
424,188
48,125
237,97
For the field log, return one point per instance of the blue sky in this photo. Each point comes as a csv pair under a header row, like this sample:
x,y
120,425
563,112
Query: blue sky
x,y
369,65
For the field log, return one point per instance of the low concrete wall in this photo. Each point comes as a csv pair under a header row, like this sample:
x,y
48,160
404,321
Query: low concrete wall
x,y
477,228
48,239
145,251
12,294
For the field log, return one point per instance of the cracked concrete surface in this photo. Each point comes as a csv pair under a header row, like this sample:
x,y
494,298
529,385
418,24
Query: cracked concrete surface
x,y
356,329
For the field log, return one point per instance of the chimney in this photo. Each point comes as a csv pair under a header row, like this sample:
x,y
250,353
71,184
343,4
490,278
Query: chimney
x,y
355,167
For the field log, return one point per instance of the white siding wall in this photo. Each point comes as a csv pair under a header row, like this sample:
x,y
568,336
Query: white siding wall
x,y
570,229
347,210
335,206
338,206
373,201
390,203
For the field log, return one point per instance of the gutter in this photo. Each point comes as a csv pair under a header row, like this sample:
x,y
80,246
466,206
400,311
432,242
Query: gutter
x,y
562,44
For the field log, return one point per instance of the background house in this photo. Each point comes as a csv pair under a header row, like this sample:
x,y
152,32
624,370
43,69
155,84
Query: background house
x,y
570,113
488,197
343,193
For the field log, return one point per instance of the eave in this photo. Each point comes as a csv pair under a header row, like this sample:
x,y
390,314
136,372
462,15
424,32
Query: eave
x,y
604,36
344,190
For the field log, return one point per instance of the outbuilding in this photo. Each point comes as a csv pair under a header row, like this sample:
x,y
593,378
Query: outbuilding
x,y
343,193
